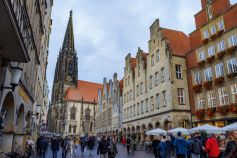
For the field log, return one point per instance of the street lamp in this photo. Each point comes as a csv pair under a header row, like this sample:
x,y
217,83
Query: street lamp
x,y
37,110
15,78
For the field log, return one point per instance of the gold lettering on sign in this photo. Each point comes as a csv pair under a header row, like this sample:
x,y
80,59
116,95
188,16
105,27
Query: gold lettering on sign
x,y
23,95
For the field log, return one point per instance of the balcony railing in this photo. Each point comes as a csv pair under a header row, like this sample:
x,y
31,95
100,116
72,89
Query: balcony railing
x,y
21,22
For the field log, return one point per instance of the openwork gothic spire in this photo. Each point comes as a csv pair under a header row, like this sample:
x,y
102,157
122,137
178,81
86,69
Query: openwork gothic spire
x,y
68,43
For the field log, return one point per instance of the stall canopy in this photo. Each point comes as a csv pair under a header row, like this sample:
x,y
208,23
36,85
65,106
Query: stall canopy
x,y
231,127
179,129
157,131
208,128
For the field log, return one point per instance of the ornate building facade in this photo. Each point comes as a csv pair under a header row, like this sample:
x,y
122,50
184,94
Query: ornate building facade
x,y
73,101
24,44
212,64
109,112
155,92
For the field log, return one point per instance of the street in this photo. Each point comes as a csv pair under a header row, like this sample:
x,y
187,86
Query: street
x,y
122,153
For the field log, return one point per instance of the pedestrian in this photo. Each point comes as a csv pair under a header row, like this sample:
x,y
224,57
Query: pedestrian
x,y
44,146
29,146
155,144
39,146
91,143
195,146
162,147
203,135
55,147
128,144
170,147
65,147
124,140
83,141
212,147
113,151
231,144
103,148
180,145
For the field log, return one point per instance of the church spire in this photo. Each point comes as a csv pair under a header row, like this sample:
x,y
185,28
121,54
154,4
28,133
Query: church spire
x,y
68,43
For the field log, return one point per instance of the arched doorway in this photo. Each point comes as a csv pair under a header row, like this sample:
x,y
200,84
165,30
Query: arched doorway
x,y
7,113
143,132
128,131
167,125
157,125
150,127
138,133
20,128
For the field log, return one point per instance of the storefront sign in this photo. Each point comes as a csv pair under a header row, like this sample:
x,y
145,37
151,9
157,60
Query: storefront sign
x,y
23,95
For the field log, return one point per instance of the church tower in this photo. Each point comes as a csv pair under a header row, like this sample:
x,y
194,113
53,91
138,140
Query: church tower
x,y
66,71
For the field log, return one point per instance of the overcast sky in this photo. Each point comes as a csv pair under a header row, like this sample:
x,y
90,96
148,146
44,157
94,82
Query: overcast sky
x,y
106,31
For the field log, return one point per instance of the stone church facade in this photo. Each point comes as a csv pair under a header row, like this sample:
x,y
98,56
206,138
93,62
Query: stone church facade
x,y
73,101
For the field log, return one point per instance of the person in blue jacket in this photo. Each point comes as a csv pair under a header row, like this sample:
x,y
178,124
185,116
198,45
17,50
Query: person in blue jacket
x,y
162,147
181,146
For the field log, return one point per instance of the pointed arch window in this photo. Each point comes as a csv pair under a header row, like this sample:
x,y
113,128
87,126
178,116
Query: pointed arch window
x,y
87,114
73,113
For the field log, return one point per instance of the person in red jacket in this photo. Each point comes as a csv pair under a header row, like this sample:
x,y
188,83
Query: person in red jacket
x,y
212,147
123,140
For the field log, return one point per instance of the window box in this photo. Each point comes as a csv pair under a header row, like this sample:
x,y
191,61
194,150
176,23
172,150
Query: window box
x,y
219,80
210,59
223,109
201,63
197,88
233,107
213,36
210,111
200,114
231,75
221,54
231,50
219,32
205,41
207,84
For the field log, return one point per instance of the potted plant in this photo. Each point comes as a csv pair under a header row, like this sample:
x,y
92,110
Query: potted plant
x,y
231,49
210,111
197,88
223,109
231,75
201,63
207,84
205,40
210,59
219,80
233,107
219,32
200,114
221,54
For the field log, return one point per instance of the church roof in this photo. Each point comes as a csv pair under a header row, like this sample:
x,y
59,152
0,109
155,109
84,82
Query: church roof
x,y
88,91
179,42
68,42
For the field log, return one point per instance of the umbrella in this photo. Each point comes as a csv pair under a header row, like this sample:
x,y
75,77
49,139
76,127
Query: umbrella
x,y
179,129
208,128
231,127
157,131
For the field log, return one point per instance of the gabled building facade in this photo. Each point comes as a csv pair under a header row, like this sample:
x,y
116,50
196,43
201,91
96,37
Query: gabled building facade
x,y
212,64
155,92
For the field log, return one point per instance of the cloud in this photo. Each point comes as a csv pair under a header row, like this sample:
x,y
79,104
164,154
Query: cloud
x,y
107,30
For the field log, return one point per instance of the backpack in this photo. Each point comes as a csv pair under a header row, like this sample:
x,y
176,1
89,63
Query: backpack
x,y
195,146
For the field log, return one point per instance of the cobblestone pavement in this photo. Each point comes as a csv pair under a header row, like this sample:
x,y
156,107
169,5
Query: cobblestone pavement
x,y
122,153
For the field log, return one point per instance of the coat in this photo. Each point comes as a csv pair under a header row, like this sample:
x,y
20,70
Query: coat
x,y
212,147
112,152
55,145
180,145
162,147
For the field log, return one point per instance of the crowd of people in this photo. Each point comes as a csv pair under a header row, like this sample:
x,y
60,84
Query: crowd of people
x,y
196,145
